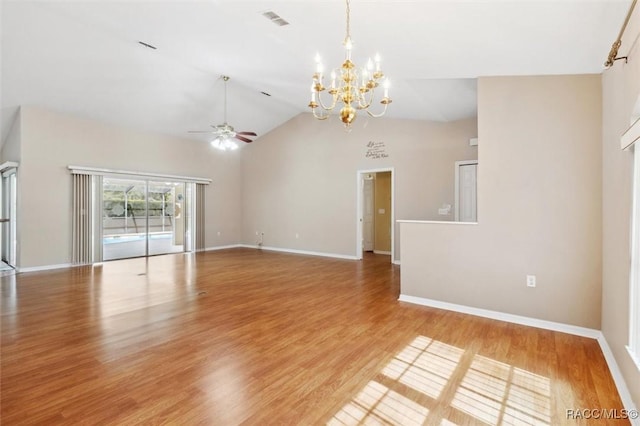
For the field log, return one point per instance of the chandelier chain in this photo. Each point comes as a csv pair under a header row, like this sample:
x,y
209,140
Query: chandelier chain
x,y
348,20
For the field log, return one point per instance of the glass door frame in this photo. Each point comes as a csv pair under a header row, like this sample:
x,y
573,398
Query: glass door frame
x,y
187,201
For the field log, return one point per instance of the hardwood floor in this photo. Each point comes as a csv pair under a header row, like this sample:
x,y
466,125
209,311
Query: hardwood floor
x,y
245,336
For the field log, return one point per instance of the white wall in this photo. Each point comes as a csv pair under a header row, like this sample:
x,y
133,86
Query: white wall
x,y
51,141
621,89
539,208
301,177
11,149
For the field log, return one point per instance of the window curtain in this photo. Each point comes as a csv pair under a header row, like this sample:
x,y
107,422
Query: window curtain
x,y
200,218
85,217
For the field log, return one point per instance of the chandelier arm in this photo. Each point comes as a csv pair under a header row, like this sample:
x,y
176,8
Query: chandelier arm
x,y
366,103
377,115
321,116
333,104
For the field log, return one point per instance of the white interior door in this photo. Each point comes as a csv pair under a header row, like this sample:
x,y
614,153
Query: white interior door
x,y
467,192
368,215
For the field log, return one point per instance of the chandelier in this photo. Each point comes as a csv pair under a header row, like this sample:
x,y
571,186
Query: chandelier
x,y
354,89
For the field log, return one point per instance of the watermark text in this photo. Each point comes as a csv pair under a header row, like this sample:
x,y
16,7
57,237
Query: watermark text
x,y
601,413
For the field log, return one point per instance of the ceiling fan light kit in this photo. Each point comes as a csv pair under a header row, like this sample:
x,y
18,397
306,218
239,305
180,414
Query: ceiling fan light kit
x,y
224,134
349,86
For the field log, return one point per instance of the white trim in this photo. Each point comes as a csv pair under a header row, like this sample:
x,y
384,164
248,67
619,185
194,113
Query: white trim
x,y
634,271
295,251
633,356
456,167
8,165
631,135
396,262
501,316
441,222
618,379
98,171
386,253
359,210
230,246
47,267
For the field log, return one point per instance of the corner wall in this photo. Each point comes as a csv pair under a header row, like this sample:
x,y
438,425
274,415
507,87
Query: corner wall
x,y
51,141
301,177
620,90
539,208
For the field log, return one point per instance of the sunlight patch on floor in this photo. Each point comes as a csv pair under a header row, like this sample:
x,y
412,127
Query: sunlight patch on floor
x,y
469,386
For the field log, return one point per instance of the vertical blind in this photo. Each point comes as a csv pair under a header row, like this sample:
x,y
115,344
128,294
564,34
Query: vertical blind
x,y
82,219
200,191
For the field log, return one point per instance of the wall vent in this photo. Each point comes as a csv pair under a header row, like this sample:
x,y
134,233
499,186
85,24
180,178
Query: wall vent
x,y
275,18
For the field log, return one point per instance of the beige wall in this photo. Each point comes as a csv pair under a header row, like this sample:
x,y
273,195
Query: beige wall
x,y
539,208
301,177
51,141
621,89
382,221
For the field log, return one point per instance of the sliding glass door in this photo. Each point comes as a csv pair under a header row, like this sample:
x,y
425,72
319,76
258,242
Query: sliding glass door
x,y
144,217
166,217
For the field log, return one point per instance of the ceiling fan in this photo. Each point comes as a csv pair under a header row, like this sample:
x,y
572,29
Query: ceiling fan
x,y
224,133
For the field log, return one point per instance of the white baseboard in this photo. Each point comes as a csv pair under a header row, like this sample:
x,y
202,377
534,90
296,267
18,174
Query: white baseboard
x,y
501,316
386,253
396,262
618,379
230,246
20,270
294,251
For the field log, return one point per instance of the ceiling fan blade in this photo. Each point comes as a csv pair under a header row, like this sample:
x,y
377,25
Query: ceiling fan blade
x,y
246,133
243,139
201,131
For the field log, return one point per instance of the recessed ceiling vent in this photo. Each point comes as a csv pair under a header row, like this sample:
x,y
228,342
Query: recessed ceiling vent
x,y
275,18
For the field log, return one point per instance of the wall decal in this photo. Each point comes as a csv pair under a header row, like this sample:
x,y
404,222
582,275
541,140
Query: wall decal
x,y
376,150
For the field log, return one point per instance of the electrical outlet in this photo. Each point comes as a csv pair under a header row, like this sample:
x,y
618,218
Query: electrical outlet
x,y
297,235
218,233
531,280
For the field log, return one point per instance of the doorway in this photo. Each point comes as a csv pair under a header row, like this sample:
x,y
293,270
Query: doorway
x,y
8,216
466,176
375,212
144,217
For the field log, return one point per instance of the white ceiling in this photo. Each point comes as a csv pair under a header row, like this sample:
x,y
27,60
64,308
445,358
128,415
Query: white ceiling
x,y
83,57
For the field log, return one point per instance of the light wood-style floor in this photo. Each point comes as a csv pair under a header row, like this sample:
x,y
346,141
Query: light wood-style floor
x,y
252,337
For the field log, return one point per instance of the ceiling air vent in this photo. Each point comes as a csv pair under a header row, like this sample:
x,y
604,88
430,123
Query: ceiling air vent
x,y
275,18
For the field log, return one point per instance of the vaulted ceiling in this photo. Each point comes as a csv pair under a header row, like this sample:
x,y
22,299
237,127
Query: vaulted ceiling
x,y
85,58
